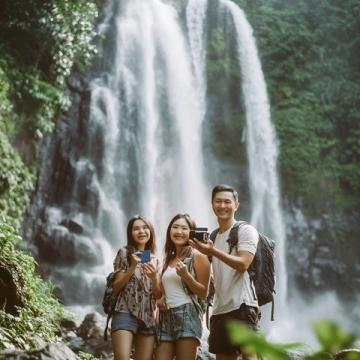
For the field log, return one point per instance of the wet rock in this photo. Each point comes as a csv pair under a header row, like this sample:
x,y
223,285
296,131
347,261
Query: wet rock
x,y
203,354
91,332
93,326
317,249
11,295
72,225
68,325
48,352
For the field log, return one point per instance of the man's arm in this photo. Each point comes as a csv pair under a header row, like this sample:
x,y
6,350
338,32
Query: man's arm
x,y
239,262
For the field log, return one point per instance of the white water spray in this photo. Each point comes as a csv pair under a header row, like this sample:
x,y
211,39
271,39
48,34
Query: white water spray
x,y
195,19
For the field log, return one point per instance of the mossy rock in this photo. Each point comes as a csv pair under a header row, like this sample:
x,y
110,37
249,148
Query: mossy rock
x,y
12,296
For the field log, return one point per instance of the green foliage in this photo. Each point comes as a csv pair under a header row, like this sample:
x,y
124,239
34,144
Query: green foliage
x,y
37,101
49,35
70,24
16,183
41,42
39,318
332,339
256,343
87,356
5,103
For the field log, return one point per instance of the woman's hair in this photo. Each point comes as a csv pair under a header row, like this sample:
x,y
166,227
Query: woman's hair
x,y
131,244
169,248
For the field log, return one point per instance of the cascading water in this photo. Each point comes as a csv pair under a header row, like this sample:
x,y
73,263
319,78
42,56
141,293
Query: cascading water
x,y
262,149
164,147
195,19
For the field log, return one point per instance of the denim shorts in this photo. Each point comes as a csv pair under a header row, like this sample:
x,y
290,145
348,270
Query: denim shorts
x,y
126,321
180,322
219,340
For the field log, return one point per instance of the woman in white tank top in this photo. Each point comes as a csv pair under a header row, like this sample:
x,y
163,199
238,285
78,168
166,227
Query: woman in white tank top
x,y
180,327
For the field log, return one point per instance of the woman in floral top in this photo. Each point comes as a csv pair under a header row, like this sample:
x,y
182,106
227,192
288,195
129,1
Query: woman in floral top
x,y
138,286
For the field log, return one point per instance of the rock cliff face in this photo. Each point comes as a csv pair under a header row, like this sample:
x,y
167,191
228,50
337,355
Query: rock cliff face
x,y
12,296
58,237
323,253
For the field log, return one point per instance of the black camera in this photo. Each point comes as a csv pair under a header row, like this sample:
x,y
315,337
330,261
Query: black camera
x,y
200,234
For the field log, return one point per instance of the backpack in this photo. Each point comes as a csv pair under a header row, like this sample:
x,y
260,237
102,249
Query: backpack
x,y
201,305
262,268
109,300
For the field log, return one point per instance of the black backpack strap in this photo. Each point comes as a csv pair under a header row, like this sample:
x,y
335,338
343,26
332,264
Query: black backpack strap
x,y
234,235
213,238
213,235
106,327
207,316
272,309
111,313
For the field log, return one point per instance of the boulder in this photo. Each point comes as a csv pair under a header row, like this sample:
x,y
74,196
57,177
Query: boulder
x,y
11,296
91,332
48,352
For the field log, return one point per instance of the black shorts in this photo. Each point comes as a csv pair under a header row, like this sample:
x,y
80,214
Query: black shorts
x,y
219,341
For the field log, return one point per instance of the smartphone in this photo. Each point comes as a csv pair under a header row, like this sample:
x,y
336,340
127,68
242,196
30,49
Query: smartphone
x,y
145,256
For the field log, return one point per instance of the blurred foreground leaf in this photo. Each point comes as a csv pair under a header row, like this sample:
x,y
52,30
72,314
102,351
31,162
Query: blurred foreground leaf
x,y
332,339
256,343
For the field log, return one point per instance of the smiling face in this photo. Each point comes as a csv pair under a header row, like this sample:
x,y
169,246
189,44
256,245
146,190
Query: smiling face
x,y
224,205
140,233
179,232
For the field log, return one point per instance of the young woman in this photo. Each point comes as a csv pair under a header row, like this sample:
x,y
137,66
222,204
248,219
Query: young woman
x,y
180,325
138,285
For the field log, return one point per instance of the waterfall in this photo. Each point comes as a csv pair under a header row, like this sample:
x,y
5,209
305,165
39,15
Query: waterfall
x,y
195,18
261,147
162,95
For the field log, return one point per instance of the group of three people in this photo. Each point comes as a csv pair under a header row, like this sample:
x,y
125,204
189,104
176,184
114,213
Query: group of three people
x,y
145,287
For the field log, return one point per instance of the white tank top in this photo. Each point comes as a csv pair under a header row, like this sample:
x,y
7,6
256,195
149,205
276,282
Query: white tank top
x,y
174,291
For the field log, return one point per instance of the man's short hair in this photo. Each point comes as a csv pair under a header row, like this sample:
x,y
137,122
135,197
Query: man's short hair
x,y
223,187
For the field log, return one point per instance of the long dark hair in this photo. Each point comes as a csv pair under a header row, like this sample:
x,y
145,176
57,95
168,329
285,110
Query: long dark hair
x,y
169,248
131,244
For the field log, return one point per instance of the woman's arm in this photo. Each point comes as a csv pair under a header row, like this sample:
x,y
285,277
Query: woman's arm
x,y
122,278
200,284
152,272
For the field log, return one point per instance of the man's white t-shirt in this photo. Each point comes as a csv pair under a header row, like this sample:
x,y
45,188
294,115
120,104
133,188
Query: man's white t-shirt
x,y
233,288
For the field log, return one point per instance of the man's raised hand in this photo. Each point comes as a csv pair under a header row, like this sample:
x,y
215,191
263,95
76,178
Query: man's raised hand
x,y
205,248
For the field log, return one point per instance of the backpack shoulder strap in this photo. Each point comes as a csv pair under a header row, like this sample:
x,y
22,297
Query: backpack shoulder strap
x,y
234,235
213,235
189,262
213,238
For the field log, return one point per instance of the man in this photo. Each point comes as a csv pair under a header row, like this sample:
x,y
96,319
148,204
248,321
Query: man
x,y
234,293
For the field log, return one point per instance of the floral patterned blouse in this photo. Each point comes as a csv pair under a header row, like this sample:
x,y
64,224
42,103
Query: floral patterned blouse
x,y
136,297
